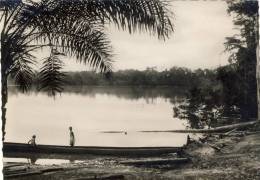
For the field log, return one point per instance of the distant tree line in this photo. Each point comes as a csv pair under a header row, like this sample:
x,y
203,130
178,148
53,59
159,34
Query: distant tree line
x,y
175,76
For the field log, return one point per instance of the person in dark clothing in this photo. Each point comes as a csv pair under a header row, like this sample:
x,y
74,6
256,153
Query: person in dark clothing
x,y
32,141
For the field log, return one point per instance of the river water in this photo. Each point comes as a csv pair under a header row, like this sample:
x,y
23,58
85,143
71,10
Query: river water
x,y
91,111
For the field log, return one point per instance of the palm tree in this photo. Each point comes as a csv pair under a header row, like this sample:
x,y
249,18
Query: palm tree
x,y
72,28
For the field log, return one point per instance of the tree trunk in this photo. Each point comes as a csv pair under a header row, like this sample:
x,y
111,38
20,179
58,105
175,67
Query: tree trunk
x,y
4,91
257,67
4,94
226,128
258,80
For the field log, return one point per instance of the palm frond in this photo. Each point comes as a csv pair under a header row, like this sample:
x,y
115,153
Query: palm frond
x,y
75,28
51,79
132,15
77,25
23,74
81,37
20,64
9,4
18,60
84,40
90,47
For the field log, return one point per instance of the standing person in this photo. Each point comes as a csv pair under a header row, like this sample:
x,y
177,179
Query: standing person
x,y
32,141
72,137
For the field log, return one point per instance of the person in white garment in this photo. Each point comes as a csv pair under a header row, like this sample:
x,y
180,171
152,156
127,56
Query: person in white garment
x,y
72,137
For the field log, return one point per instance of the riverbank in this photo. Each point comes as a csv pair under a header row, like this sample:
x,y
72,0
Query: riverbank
x,y
235,156
232,155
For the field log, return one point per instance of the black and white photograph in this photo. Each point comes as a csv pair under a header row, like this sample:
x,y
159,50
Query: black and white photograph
x,y
130,89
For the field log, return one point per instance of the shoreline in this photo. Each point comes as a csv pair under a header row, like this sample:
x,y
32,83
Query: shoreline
x,y
231,156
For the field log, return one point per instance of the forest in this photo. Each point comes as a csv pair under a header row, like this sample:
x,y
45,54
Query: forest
x,y
238,94
175,76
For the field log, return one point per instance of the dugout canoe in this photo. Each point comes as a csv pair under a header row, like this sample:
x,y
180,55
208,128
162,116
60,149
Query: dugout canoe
x,y
9,147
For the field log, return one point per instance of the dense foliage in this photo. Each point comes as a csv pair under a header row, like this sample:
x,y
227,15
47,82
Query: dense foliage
x,y
176,76
239,78
237,96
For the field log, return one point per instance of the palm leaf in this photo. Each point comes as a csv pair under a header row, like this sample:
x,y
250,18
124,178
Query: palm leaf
x,y
18,61
21,70
9,4
51,79
131,15
69,23
86,42
75,28
23,74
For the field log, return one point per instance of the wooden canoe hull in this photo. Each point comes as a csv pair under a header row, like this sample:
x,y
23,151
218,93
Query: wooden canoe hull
x,y
85,150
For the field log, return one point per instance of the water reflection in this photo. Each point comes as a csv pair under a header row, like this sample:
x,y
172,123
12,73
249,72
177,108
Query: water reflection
x,y
174,94
50,159
90,110
33,159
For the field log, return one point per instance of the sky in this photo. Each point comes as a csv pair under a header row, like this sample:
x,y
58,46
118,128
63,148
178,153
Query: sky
x,y
200,31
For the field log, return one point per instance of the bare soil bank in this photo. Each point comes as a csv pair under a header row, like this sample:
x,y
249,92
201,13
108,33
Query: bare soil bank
x,y
234,156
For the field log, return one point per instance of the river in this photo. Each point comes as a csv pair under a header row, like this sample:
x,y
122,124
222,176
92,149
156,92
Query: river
x,y
93,110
